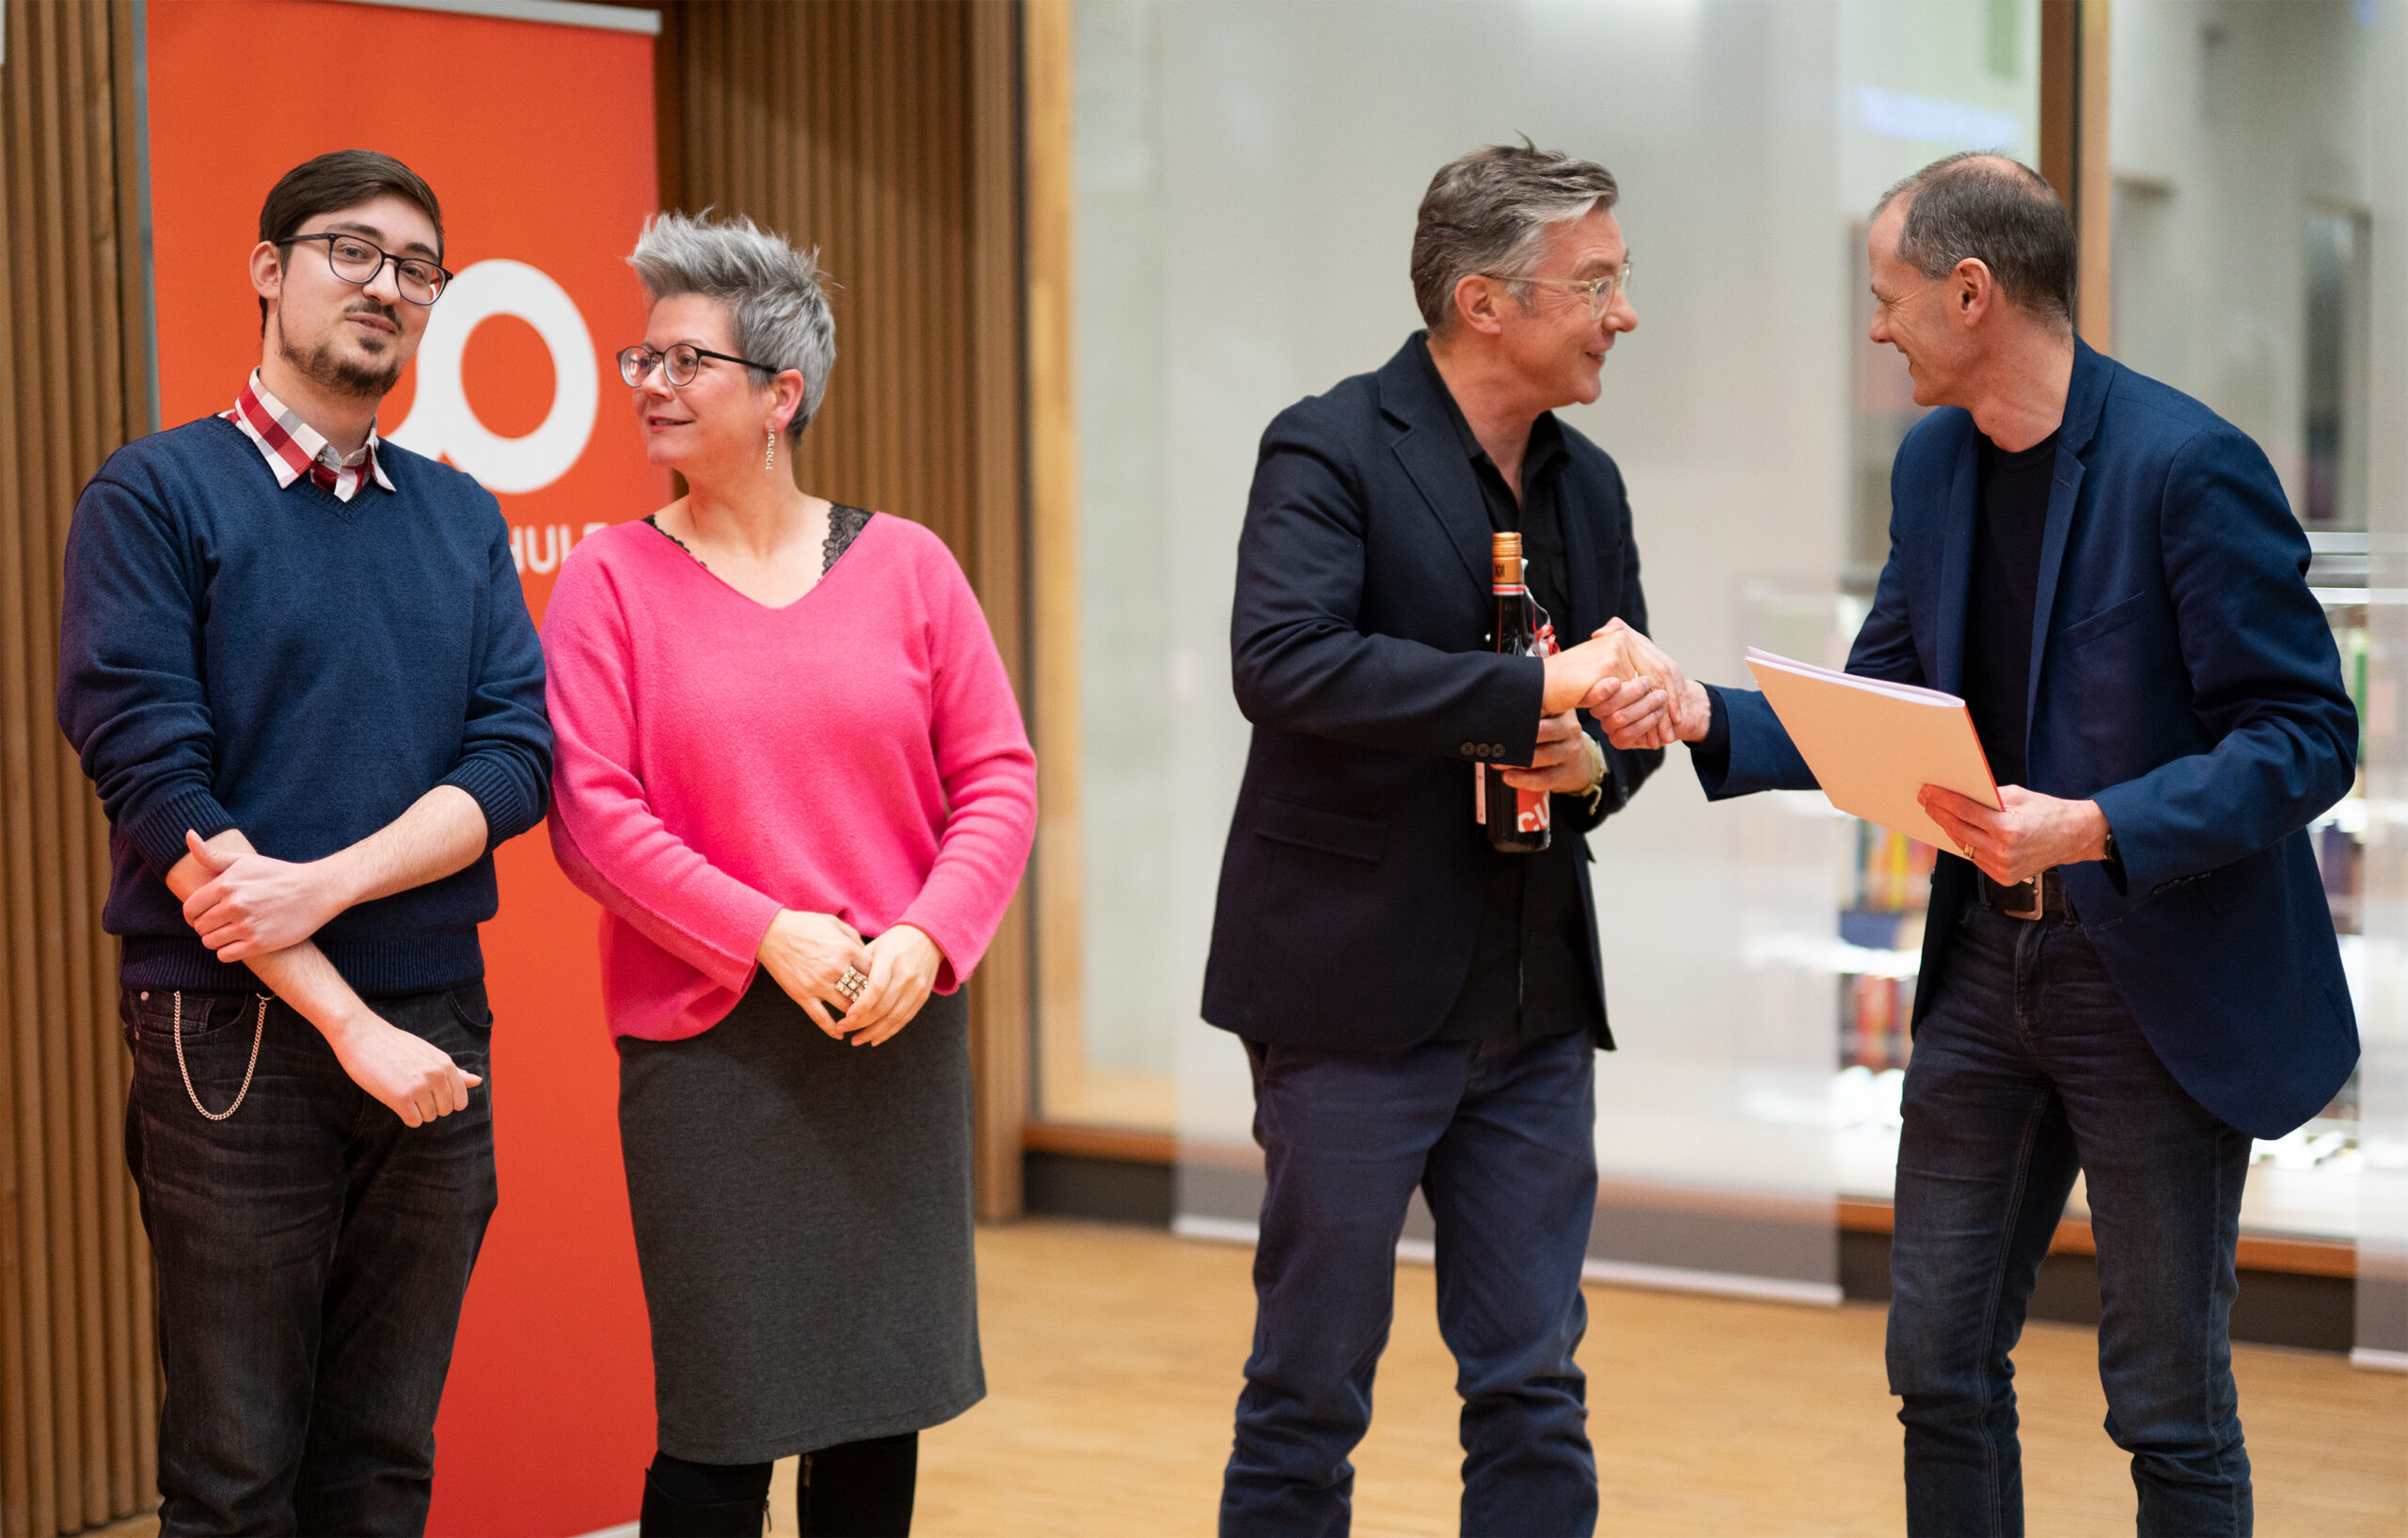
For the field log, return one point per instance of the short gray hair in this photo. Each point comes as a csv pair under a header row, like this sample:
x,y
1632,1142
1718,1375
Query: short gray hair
x,y
772,291
1995,211
1489,212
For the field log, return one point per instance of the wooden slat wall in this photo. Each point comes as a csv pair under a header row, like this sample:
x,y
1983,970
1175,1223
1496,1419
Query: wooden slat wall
x,y
77,1386
885,131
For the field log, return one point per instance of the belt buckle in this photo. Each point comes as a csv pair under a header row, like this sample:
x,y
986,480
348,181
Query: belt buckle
x,y
2029,891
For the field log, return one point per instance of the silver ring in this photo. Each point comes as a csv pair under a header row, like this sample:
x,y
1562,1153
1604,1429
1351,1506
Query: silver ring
x,y
851,983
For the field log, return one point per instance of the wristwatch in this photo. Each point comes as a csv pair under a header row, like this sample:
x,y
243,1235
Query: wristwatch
x,y
1595,790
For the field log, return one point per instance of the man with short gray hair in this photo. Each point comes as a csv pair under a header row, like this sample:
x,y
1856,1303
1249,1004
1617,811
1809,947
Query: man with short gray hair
x,y
1421,1008
2129,968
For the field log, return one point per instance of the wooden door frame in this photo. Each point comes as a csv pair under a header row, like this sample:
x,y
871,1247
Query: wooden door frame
x,y
2075,55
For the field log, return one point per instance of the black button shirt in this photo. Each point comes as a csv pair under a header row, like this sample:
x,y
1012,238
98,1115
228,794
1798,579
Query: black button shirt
x,y
1998,615
1529,965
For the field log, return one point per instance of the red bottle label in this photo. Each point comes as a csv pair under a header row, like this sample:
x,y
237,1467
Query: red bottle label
x,y
1530,812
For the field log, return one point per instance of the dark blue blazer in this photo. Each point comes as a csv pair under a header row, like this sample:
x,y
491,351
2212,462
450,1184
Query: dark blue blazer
x,y
1352,883
2183,677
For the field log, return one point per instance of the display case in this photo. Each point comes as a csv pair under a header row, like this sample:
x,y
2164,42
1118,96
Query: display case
x,y
2303,1184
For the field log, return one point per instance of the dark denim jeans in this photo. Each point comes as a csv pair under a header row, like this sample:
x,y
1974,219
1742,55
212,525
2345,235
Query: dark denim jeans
x,y
1500,1137
311,1253
2027,1069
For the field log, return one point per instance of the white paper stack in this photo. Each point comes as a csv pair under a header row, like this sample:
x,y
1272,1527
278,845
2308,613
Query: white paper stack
x,y
1874,745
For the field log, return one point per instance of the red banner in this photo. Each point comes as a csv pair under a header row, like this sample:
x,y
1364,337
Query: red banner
x,y
538,139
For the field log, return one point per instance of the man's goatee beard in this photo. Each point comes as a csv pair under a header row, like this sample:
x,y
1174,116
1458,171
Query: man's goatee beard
x,y
330,371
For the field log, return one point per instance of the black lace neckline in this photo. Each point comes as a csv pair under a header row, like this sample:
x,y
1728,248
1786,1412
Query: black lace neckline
x,y
844,525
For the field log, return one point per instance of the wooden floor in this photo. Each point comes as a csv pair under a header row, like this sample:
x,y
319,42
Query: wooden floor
x,y
1113,1357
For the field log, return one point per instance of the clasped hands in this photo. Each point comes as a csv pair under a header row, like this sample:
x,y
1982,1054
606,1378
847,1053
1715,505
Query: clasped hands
x,y
812,955
1643,700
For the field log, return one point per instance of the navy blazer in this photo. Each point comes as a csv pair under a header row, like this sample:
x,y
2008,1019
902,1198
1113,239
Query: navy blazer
x,y
2184,678
1351,884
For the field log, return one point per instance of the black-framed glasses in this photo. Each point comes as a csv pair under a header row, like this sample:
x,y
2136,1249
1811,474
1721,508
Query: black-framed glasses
x,y
683,360
356,260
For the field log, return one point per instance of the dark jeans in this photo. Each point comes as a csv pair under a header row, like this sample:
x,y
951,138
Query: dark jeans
x,y
311,1253
853,1490
2027,1069
1500,1137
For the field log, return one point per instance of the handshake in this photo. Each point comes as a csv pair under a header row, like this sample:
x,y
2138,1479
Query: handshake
x,y
1639,695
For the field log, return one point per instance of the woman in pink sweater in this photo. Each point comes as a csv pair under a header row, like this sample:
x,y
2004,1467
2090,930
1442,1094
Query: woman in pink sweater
x,y
790,768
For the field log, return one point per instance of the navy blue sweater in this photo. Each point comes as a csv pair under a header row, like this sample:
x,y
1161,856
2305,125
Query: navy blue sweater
x,y
240,654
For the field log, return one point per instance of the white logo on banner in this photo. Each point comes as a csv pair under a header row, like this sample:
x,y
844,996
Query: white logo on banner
x,y
441,423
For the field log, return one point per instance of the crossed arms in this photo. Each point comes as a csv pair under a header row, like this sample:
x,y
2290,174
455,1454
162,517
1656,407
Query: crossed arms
x,y
260,912
135,701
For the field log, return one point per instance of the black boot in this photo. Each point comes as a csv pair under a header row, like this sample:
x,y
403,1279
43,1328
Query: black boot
x,y
666,1517
859,1489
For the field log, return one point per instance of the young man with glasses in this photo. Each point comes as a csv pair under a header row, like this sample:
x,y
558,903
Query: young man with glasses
x,y
300,672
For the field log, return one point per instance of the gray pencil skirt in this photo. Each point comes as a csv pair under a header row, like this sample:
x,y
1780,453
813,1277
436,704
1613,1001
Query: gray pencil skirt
x,y
802,1219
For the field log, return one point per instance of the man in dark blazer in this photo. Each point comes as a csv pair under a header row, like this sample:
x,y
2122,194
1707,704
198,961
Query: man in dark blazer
x,y
2131,969
1420,1010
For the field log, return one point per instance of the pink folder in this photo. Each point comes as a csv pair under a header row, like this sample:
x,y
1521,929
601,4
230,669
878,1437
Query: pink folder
x,y
1873,745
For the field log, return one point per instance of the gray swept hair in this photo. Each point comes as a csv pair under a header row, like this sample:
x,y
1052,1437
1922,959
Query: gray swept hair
x,y
772,291
1489,211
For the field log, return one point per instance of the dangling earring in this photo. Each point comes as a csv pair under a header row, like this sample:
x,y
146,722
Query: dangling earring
x,y
769,458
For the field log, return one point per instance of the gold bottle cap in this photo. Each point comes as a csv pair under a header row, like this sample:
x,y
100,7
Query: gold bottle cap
x,y
1505,562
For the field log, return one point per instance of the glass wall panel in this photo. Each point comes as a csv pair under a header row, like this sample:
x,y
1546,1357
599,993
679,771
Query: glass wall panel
x,y
1982,85
1138,676
2243,137
2382,254
1247,176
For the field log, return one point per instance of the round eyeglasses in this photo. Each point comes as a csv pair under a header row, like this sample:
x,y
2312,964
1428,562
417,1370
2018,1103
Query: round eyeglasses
x,y
1600,292
683,360
356,260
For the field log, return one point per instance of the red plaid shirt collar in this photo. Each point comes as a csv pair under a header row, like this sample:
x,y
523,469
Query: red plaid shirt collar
x,y
294,448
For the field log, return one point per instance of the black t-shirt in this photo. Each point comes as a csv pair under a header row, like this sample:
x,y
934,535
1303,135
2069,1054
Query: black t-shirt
x,y
2005,581
2013,517
1530,968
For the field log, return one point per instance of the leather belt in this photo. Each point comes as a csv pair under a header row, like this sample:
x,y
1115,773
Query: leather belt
x,y
2042,897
